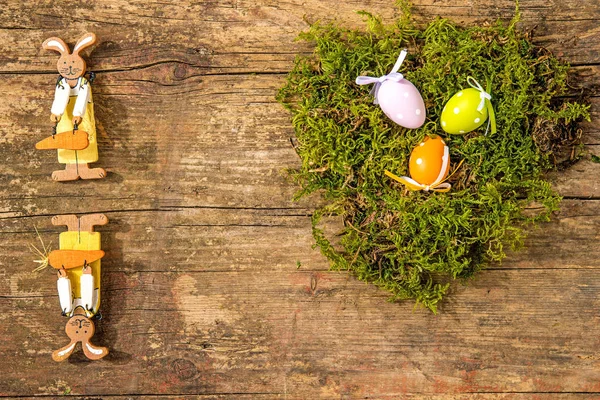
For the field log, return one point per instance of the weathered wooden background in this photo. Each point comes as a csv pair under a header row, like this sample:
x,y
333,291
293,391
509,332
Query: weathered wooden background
x,y
202,294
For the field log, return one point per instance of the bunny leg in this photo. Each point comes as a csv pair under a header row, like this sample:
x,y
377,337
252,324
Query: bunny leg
x,y
88,221
63,353
93,352
68,174
70,220
85,172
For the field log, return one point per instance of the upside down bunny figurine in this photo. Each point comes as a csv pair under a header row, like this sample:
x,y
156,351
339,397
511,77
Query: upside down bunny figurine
x,y
78,268
73,114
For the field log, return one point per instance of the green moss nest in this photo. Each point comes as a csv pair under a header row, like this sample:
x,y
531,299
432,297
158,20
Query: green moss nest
x,y
413,244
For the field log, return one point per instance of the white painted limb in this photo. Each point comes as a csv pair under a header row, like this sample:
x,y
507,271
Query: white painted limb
x,y
65,295
83,96
61,98
87,291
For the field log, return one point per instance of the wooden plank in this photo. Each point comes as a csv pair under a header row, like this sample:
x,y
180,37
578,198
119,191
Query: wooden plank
x,y
471,396
221,302
580,180
230,37
61,389
314,334
205,239
195,305
252,148
229,152
478,396
573,231
210,284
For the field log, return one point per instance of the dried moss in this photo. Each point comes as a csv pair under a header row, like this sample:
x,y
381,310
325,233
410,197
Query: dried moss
x,y
413,244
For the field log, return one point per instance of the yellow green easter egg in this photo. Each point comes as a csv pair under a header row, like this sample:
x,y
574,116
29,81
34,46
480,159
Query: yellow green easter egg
x,y
460,114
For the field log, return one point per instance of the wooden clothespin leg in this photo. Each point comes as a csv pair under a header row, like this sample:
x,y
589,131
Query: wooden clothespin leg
x,y
78,264
74,131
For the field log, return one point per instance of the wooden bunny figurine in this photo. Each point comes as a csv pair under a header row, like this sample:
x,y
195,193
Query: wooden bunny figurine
x,y
78,265
73,113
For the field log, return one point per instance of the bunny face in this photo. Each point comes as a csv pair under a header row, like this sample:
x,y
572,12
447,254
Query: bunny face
x,y
80,328
70,65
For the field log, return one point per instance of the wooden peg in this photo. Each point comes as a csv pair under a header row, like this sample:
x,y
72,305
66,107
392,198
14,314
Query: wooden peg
x,y
72,113
79,288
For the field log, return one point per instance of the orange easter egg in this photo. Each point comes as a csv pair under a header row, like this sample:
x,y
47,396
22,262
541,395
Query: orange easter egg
x,y
429,161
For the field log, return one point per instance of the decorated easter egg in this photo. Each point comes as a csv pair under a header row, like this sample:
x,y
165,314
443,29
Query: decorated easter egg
x,y
402,103
398,98
462,113
428,167
429,161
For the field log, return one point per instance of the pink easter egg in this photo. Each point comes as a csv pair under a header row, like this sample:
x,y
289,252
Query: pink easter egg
x,y
402,103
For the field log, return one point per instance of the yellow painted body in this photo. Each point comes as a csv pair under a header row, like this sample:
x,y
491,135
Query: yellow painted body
x,y
88,124
73,240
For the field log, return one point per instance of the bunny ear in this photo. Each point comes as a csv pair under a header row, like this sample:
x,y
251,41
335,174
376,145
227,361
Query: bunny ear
x,y
92,352
86,41
56,44
64,353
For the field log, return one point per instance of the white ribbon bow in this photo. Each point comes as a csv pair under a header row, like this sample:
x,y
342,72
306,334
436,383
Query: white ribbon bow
x,y
394,75
437,186
483,95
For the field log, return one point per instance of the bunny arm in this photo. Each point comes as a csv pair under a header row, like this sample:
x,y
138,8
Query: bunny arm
x,y
86,285
61,97
63,92
64,352
83,96
65,292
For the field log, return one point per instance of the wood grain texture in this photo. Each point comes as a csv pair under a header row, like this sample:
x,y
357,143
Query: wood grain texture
x,y
211,288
